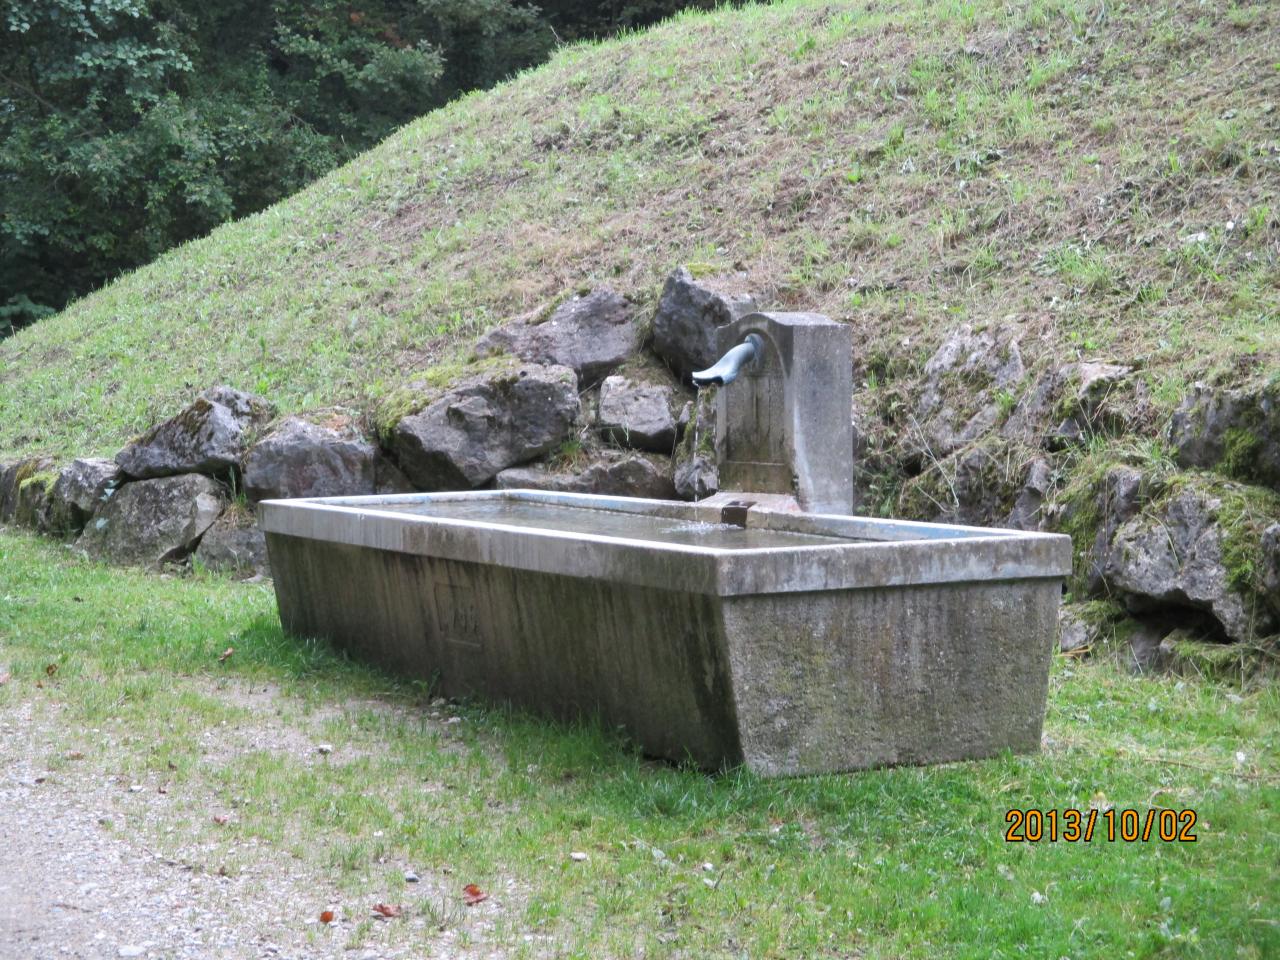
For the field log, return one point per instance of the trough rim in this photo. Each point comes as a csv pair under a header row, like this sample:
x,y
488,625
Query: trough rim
x,y
886,553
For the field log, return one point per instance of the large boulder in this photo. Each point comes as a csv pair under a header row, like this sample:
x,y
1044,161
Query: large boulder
x,y
1123,492
151,522
500,419
1236,431
81,488
593,334
210,437
1173,555
611,474
689,311
298,458
13,476
637,415
234,544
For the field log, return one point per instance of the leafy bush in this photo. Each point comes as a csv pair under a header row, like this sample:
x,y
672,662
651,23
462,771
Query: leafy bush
x,y
129,126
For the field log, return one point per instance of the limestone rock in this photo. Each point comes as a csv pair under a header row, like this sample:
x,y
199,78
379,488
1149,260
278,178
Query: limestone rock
x,y
618,475
592,334
1270,577
1093,384
81,488
497,420
987,357
389,479
1173,556
1123,492
696,477
689,311
1235,430
12,478
235,544
637,414
32,509
1029,419
1075,636
298,458
209,437
697,473
150,522
972,486
1067,402
1027,509
1146,651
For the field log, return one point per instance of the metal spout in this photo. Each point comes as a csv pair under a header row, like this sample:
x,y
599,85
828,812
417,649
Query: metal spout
x,y
727,368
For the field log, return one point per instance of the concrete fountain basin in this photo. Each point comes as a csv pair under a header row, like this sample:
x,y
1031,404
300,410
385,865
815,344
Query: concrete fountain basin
x,y
793,643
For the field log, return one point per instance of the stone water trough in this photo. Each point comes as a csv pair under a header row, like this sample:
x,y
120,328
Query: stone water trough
x,y
746,629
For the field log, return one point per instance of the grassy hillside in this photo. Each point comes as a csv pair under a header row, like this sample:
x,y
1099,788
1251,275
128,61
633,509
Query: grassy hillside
x,y
1105,175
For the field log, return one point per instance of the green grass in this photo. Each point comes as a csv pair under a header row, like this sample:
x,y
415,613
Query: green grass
x,y
963,161
885,864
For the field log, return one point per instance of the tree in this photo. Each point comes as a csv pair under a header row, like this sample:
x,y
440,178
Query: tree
x,y
128,126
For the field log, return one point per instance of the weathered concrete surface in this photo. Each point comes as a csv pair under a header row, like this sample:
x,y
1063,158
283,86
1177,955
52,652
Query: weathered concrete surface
x,y
567,646
932,644
784,425
866,678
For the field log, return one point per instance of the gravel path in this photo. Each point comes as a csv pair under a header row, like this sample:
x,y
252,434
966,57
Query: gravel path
x,y
73,884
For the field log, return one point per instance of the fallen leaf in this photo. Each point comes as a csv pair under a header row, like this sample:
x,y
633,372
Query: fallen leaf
x,y
474,895
226,654
326,916
387,910
220,819
50,670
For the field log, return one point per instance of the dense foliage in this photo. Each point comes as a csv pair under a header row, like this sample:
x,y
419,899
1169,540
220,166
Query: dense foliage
x,y
128,126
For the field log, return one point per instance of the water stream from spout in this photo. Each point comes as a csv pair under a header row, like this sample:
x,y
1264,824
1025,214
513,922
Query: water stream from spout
x,y
697,406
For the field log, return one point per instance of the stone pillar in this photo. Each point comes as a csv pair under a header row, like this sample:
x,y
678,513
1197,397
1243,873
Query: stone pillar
x,y
784,426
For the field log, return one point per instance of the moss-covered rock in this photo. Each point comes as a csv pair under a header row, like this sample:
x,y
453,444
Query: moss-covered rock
x,y
1199,546
1236,432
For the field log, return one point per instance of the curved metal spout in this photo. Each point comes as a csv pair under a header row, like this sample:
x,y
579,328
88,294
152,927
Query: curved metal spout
x,y
727,368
